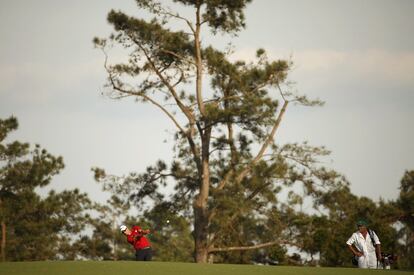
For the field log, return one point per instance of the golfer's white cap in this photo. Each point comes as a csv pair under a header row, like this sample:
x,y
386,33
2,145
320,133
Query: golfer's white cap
x,y
123,228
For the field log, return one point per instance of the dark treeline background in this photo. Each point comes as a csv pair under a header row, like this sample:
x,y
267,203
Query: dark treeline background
x,y
70,226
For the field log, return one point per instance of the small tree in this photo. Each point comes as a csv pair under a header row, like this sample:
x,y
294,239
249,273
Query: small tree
x,y
405,204
228,168
34,228
328,234
106,241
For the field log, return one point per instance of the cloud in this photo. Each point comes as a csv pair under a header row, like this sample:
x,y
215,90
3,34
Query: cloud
x,y
38,82
371,63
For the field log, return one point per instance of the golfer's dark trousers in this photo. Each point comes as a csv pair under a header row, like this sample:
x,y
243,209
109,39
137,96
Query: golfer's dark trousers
x,y
144,254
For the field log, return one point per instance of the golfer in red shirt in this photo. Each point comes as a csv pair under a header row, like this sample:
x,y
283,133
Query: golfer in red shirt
x,y
136,237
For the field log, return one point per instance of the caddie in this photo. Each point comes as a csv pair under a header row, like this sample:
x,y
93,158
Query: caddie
x,y
365,246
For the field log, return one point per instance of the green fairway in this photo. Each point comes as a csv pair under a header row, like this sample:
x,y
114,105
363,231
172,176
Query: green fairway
x,y
161,268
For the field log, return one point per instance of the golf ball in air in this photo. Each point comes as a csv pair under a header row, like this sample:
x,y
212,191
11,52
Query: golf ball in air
x,y
168,221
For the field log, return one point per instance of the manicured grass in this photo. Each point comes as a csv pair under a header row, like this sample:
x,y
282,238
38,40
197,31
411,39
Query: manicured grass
x,y
164,268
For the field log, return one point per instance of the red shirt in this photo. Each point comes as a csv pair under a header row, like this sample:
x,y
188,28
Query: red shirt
x,y
137,238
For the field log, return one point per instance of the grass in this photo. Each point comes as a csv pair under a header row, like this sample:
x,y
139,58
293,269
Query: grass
x,y
161,268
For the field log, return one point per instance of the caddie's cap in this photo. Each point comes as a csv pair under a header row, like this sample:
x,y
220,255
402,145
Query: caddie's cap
x,y
362,222
123,228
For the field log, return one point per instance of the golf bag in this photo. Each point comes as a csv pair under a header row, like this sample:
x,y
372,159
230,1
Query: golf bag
x,y
354,260
388,260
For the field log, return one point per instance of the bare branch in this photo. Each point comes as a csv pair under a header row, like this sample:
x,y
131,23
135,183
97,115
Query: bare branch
x,y
199,64
139,94
176,15
269,139
281,93
183,108
146,97
180,79
251,247
119,97
157,8
187,111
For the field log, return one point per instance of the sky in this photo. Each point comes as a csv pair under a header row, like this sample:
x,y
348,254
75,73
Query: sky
x,y
357,56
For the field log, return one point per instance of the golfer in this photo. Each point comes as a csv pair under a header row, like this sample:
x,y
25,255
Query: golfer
x,y
365,245
136,237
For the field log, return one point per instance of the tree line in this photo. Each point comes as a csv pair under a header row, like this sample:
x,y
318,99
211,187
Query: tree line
x,y
70,226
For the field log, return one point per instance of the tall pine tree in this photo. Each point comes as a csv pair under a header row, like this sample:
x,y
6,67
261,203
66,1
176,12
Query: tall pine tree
x,y
228,168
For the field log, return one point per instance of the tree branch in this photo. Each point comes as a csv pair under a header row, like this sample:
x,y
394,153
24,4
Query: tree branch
x,y
187,111
199,64
177,56
143,95
269,139
224,181
140,94
183,108
165,12
251,247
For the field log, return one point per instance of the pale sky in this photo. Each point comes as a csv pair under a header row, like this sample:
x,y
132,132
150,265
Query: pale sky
x,y
358,56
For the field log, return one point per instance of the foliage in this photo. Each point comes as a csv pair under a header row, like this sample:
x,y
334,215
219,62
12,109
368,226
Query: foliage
x,y
172,240
405,205
35,228
344,209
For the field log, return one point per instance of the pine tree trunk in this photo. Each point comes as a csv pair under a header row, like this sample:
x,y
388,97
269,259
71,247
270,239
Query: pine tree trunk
x,y
201,223
3,241
200,205
3,235
114,231
200,236
115,256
